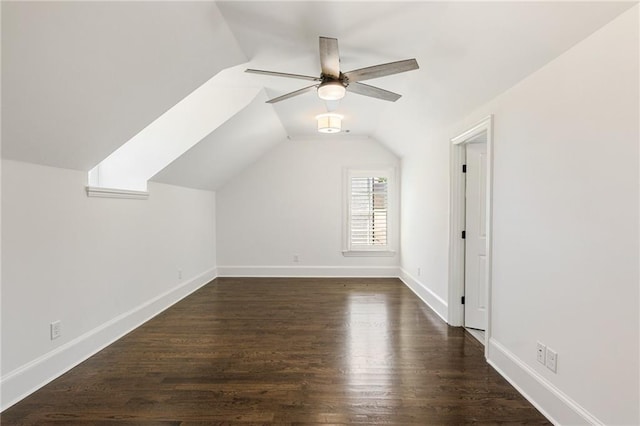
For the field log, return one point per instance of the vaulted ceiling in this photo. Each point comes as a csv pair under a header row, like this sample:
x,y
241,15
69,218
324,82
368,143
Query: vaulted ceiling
x,y
79,79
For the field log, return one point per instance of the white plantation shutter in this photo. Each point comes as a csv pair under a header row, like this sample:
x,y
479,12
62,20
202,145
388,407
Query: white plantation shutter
x,y
368,208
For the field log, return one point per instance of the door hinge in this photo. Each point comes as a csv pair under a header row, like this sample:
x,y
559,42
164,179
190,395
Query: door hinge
x,y
464,168
462,300
464,234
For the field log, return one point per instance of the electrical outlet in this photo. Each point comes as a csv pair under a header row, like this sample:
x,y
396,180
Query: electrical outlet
x,y
419,271
296,258
552,360
541,351
179,274
56,329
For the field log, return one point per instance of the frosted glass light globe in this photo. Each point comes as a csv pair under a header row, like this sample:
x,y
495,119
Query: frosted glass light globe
x,y
331,91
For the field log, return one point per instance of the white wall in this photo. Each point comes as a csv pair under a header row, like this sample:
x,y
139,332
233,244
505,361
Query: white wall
x,y
99,265
565,202
425,216
290,203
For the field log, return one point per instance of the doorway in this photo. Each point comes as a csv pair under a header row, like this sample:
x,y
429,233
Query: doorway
x,y
470,230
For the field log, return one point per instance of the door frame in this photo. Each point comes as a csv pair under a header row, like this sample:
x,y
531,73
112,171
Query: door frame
x,y
482,131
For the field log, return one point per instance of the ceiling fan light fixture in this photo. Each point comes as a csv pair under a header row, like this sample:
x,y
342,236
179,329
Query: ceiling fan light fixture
x,y
331,91
329,123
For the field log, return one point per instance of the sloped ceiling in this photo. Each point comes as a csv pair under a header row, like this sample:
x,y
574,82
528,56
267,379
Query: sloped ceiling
x,y
81,78
228,149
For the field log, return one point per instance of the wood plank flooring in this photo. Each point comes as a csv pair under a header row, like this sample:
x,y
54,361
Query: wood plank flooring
x,y
285,351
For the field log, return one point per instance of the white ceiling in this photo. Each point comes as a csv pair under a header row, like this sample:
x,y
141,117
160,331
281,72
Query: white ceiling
x,y
468,52
81,78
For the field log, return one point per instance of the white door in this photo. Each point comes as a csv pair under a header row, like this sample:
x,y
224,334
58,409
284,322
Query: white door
x,y
475,274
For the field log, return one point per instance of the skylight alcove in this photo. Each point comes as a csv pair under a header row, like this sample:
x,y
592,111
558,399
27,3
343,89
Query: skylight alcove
x,y
124,173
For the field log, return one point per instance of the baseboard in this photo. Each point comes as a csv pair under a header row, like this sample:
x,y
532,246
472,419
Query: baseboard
x,y
30,377
432,300
309,271
558,407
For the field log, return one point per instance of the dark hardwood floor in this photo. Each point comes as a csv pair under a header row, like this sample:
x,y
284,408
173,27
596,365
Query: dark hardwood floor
x,y
285,351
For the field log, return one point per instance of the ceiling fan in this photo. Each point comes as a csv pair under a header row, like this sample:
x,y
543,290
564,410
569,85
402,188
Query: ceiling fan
x,y
333,84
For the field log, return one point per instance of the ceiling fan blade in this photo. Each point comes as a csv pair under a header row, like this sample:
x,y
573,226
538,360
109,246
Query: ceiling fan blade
x,y
282,74
374,92
292,94
382,70
329,57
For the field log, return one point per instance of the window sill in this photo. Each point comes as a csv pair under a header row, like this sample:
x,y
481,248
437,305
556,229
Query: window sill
x,y
368,253
94,191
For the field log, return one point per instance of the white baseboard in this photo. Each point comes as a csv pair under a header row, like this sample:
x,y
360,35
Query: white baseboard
x,y
549,400
30,377
309,271
432,300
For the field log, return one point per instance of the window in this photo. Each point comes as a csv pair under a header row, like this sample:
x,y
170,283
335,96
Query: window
x,y
368,207
369,213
